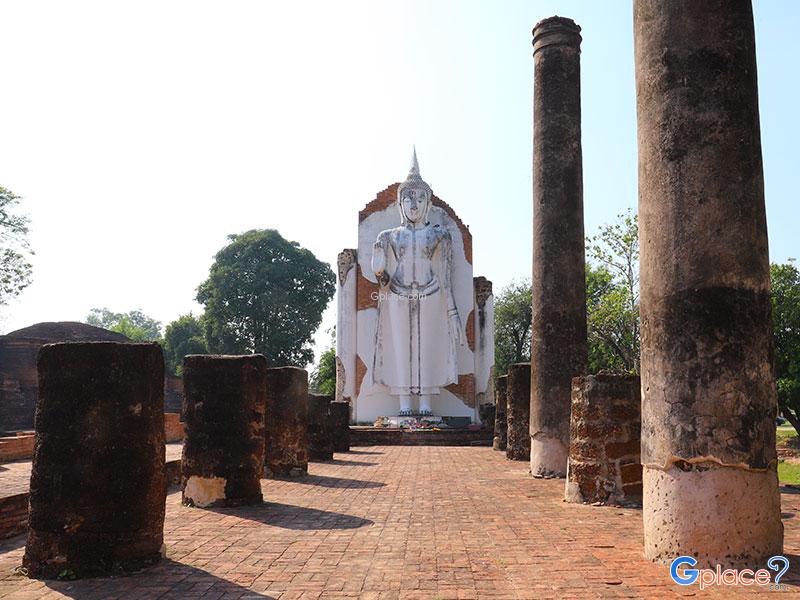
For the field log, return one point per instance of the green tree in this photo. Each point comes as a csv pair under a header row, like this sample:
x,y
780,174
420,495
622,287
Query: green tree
x,y
15,270
599,283
134,324
512,326
265,294
323,378
185,335
613,296
786,319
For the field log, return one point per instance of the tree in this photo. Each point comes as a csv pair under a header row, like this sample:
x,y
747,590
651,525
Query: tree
x,y
599,283
185,335
323,378
613,296
512,326
134,324
265,294
15,270
786,319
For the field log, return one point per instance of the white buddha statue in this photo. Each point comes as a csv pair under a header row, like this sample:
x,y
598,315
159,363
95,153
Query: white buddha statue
x,y
419,328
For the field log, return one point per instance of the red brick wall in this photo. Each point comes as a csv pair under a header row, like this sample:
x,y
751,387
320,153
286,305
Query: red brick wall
x,y
17,446
173,428
13,515
605,433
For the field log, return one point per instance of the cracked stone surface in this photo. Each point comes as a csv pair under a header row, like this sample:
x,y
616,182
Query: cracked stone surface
x,y
708,390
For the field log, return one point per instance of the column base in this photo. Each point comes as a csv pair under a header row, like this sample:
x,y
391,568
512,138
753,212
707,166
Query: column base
x,y
725,516
548,456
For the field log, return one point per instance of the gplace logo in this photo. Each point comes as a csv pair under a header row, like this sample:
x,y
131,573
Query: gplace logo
x,y
383,296
718,576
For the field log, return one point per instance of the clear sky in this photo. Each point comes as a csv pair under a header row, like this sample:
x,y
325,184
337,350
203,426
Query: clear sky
x,y
141,134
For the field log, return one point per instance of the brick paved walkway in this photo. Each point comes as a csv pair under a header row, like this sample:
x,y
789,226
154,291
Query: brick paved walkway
x,y
399,522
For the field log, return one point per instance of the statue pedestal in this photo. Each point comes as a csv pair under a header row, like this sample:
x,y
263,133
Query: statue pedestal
x,y
413,421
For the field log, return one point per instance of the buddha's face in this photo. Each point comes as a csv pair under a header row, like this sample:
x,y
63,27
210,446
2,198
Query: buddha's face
x,y
414,203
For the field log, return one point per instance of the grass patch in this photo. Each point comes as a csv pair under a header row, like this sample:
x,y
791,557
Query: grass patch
x,y
785,433
789,472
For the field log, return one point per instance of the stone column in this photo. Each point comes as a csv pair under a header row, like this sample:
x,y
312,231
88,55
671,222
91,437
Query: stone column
x,y
558,331
346,326
518,446
483,313
320,432
223,451
604,455
708,392
500,418
340,424
286,415
98,490
487,413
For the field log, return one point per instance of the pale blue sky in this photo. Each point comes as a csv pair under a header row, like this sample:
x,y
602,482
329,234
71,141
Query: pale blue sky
x,y
141,134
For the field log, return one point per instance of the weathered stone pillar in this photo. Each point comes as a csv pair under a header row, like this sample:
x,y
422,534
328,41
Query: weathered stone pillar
x,y
518,446
484,342
346,326
604,455
708,392
223,451
320,430
286,415
558,333
487,414
500,419
340,425
98,491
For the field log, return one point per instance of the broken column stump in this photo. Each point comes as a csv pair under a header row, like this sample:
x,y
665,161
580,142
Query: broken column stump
x,y
708,387
604,451
320,431
98,487
518,444
486,414
558,285
285,422
501,406
223,451
340,426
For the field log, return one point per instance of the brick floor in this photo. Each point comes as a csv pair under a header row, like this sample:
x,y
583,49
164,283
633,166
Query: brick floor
x,y
397,522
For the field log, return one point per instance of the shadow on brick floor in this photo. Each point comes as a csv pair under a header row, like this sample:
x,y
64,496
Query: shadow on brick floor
x,y
332,482
350,463
166,577
288,516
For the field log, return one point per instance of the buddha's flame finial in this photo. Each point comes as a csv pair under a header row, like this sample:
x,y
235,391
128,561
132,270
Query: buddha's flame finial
x,y
413,172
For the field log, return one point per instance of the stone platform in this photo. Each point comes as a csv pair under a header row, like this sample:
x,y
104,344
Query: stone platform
x,y
395,436
401,523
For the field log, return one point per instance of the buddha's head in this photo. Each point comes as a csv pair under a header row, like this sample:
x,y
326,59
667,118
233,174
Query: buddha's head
x,y
414,197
